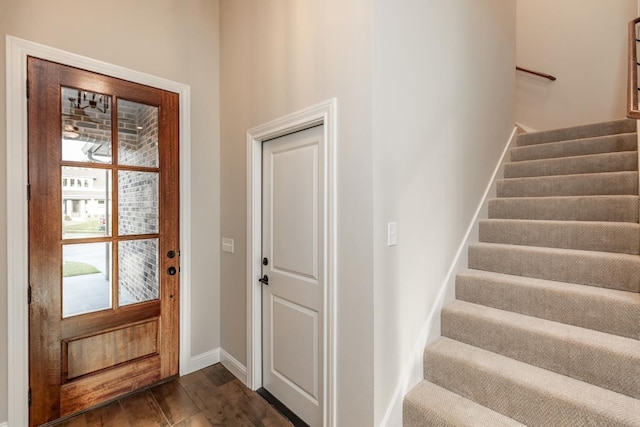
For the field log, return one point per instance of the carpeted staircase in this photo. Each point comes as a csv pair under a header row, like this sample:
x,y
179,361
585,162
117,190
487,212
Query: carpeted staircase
x,y
545,328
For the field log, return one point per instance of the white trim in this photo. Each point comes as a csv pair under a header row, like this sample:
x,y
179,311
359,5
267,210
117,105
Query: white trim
x,y
235,367
17,51
526,128
201,361
4,424
413,371
322,113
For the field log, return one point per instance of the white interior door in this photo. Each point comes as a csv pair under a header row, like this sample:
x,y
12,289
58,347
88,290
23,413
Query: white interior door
x,y
293,244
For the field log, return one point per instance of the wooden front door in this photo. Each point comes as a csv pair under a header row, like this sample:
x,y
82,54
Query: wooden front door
x,y
103,238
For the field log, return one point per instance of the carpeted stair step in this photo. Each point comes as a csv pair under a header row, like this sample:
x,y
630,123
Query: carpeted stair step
x,y
601,359
593,163
569,208
579,147
610,183
429,405
603,269
578,132
526,393
619,237
606,310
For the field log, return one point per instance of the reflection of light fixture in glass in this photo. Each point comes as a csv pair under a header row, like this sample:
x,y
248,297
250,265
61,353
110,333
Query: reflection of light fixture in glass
x,y
96,101
70,132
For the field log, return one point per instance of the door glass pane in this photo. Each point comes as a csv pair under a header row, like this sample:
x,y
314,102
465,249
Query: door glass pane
x,y
86,126
86,278
137,134
138,271
86,202
137,203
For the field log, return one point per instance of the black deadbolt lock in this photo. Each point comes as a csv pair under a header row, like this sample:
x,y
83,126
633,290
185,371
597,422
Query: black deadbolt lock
x,y
265,261
171,254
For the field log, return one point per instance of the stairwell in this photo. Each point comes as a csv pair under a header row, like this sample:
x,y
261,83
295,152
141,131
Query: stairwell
x,y
545,328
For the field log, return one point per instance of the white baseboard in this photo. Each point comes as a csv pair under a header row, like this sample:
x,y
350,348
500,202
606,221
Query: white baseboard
x,y
413,371
4,424
200,361
235,367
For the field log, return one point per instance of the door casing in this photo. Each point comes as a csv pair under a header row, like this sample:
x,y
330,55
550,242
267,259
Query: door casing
x,y
324,113
17,51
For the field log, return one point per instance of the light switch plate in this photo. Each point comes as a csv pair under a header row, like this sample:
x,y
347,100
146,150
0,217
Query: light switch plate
x,y
392,234
227,245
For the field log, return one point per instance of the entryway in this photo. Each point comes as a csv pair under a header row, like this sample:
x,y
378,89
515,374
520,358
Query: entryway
x,y
103,238
212,396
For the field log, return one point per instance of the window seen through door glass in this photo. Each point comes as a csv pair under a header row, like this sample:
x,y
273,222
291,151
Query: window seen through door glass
x,y
86,202
86,278
137,134
86,126
137,284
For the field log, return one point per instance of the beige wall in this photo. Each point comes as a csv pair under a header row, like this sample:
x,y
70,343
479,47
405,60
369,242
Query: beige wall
x,y
444,91
280,56
166,38
584,44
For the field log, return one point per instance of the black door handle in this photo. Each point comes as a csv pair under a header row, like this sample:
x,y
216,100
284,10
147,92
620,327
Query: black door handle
x,y
264,279
171,271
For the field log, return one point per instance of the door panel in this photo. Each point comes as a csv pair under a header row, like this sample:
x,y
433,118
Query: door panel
x,y
293,301
294,355
103,318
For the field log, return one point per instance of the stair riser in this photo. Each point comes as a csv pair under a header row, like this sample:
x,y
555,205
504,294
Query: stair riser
x,y
585,131
585,268
613,162
521,400
576,357
606,208
583,147
555,302
590,236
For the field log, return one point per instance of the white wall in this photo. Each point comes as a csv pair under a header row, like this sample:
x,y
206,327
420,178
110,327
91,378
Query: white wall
x,y
175,40
280,56
444,94
584,44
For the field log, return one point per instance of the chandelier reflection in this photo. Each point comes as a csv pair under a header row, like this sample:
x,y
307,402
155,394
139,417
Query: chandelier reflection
x,y
94,101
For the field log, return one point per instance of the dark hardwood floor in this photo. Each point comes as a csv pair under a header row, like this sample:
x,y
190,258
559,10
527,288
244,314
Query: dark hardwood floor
x,y
209,397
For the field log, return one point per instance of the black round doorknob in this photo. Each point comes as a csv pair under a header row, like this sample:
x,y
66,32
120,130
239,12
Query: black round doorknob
x,y
171,271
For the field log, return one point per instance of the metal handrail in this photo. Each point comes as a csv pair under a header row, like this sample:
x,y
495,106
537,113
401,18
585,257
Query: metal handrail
x,y
633,112
537,73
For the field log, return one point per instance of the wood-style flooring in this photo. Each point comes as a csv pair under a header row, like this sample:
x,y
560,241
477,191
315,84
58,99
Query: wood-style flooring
x,y
209,397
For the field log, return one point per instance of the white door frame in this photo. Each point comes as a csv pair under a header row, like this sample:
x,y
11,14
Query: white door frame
x,y
17,51
324,113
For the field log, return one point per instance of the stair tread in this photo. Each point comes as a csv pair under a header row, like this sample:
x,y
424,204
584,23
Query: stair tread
x,y
567,223
593,268
599,358
522,391
590,163
576,147
569,333
606,236
559,251
576,132
552,285
428,404
622,208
